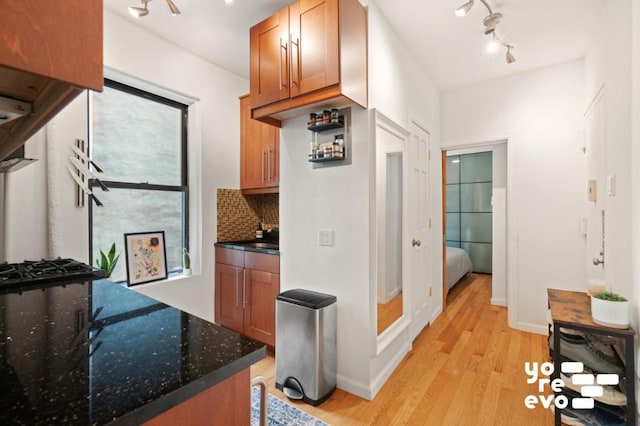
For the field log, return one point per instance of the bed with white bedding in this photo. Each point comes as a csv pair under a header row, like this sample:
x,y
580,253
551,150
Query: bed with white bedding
x,y
458,265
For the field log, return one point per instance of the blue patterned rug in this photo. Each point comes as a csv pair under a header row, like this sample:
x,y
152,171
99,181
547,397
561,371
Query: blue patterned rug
x,y
280,413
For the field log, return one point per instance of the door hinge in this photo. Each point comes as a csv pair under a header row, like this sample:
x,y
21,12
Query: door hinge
x,y
429,223
429,155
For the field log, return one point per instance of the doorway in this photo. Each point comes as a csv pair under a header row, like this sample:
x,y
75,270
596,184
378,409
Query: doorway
x,y
480,228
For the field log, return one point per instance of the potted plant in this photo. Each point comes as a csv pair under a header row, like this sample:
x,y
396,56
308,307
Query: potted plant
x,y
108,260
186,262
610,309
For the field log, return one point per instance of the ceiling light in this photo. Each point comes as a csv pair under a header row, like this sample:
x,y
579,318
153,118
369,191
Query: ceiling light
x,y
174,9
228,1
509,56
490,22
138,12
493,46
462,10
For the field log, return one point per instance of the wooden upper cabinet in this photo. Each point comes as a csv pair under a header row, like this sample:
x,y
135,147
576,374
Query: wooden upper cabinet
x,y
321,59
50,51
259,153
315,59
269,46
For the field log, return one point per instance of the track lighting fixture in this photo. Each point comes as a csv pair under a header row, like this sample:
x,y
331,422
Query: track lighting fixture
x,y
139,12
490,23
464,9
174,9
509,56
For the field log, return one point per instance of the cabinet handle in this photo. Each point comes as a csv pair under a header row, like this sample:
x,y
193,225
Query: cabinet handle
x,y
282,46
262,165
244,288
269,160
297,62
238,301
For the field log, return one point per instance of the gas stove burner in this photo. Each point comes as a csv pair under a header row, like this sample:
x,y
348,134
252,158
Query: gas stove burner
x,y
45,271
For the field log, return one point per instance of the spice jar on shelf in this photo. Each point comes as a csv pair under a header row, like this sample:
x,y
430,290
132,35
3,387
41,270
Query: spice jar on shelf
x,y
335,116
312,119
326,116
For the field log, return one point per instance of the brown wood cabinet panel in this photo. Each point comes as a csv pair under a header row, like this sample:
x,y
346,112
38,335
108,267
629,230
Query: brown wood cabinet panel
x,y
259,152
262,262
51,51
57,39
260,312
227,403
269,46
326,60
230,256
229,296
315,51
245,297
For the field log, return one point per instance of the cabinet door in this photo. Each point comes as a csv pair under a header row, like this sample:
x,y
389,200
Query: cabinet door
x,y
262,288
229,296
315,55
259,150
269,52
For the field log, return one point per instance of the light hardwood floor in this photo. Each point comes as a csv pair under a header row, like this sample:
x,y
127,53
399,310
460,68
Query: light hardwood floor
x,y
389,312
467,368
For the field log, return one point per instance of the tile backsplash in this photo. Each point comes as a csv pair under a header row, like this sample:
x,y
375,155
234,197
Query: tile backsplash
x,y
238,215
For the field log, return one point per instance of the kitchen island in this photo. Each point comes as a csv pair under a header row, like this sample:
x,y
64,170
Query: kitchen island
x,y
96,352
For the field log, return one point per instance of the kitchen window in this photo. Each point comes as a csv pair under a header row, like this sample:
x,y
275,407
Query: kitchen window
x,y
139,140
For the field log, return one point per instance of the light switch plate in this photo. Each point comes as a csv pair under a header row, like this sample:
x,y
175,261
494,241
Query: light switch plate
x,y
326,237
593,190
611,185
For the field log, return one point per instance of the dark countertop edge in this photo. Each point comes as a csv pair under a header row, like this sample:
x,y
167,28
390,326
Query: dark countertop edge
x,y
180,395
234,246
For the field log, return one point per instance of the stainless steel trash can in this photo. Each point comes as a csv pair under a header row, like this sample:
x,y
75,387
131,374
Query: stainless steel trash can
x,y
306,345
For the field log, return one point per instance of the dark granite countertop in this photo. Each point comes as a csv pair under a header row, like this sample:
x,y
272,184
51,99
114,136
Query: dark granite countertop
x,y
258,246
97,352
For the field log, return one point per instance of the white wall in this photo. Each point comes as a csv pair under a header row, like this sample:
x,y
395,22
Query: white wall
x,y
540,114
25,233
338,198
608,68
635,160
214,153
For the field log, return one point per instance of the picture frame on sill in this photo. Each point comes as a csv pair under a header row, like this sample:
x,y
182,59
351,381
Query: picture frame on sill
x,y
146,257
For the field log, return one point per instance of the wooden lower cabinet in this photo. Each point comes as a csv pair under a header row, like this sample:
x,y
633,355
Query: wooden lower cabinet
x,y
246,287
227,403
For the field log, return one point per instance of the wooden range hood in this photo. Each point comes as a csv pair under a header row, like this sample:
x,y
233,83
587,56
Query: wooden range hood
x,y
50,51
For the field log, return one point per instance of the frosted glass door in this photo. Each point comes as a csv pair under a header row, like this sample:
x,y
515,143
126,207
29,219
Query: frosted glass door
x,y
469,213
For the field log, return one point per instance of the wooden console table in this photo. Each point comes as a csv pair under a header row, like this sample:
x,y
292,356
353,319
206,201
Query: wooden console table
x,y
571,309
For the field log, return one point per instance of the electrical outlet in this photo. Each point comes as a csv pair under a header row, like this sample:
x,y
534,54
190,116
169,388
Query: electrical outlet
x,y
326,237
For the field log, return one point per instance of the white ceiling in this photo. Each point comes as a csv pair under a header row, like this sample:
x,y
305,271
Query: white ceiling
x,y
450,49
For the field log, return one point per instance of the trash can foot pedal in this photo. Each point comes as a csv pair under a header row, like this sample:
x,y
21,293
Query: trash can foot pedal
x,y
292,389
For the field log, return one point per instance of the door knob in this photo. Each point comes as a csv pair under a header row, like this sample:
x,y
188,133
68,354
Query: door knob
x,y
415,243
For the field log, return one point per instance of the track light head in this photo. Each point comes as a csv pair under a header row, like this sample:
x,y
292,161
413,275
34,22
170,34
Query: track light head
x,y
464,9
139,12
509,56
490,22
174,9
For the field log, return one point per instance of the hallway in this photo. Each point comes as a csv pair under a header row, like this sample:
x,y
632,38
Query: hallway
x,y
466,368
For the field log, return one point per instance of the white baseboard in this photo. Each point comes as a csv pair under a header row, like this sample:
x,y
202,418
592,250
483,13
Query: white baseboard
x,y
382,377
499,302
356,388
533,328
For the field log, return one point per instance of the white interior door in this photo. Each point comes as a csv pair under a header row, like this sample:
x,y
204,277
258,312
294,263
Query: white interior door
x,y
595,159
418,243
